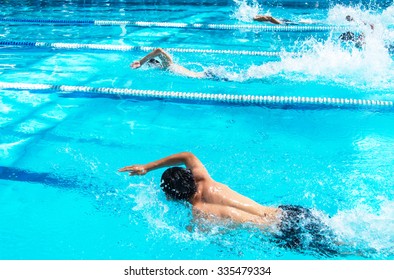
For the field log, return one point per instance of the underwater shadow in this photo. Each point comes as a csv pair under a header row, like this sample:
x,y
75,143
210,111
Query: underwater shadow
x,y
21,175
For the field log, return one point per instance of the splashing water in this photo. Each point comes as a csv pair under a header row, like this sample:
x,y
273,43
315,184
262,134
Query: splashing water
x,y
370,232
337,15
332,61
245,11
365,20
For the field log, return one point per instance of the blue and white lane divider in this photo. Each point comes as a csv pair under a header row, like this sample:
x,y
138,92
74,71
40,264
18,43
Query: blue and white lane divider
x,y
273,101
259,27
124,48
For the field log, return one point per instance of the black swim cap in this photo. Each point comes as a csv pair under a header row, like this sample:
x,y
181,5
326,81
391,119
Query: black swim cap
x,y
347,36
154,62
178,183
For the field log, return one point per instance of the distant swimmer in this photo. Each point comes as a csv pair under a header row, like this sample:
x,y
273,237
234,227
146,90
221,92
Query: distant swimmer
x,y
351,19
293,227
357,38
266,18
162,60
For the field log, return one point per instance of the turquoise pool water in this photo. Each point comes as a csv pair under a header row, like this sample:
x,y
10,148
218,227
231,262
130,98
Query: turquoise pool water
x,y
61,196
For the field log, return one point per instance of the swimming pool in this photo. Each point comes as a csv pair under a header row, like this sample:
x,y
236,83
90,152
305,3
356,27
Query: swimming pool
x,y
329,147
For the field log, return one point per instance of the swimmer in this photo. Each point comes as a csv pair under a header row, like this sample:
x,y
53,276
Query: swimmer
x,y
349,18
214,201
266,18
358,39
164,61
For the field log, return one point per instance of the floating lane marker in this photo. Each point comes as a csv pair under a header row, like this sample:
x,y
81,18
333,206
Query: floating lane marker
x,y
123,48
273,101
258,27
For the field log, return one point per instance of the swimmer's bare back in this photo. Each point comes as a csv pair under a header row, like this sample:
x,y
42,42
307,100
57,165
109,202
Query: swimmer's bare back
x,y
218,200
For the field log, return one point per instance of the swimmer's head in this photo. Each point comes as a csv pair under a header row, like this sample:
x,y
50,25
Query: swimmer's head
x,y
154,63
178,183
349,18
347,36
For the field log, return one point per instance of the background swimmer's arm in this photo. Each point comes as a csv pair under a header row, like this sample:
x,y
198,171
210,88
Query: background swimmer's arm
x,y
267,18
166,58
186,158
372,26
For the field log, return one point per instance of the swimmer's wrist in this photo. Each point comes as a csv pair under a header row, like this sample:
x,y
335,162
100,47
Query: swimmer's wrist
x,y
147,167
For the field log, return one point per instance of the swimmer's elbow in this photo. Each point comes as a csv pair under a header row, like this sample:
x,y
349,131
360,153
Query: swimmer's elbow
x,y
189,159
188,155
159,50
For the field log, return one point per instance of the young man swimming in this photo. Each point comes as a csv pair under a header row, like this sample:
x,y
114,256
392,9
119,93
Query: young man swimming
x,y
296,227
165,62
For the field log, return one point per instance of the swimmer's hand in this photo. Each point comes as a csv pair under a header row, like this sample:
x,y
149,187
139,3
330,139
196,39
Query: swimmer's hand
x,y
134,169
135,64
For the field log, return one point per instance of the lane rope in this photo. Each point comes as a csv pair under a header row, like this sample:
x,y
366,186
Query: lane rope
x,y
198,96
124,48
259,27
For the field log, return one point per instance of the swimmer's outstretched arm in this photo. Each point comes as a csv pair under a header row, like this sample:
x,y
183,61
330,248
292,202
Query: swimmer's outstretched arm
x,y
165,58
267,18
186,158
350,18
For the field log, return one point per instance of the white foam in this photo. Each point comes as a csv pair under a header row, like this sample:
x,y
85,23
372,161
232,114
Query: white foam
x,y
333,61
330,61
337,16
245,10
367,229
